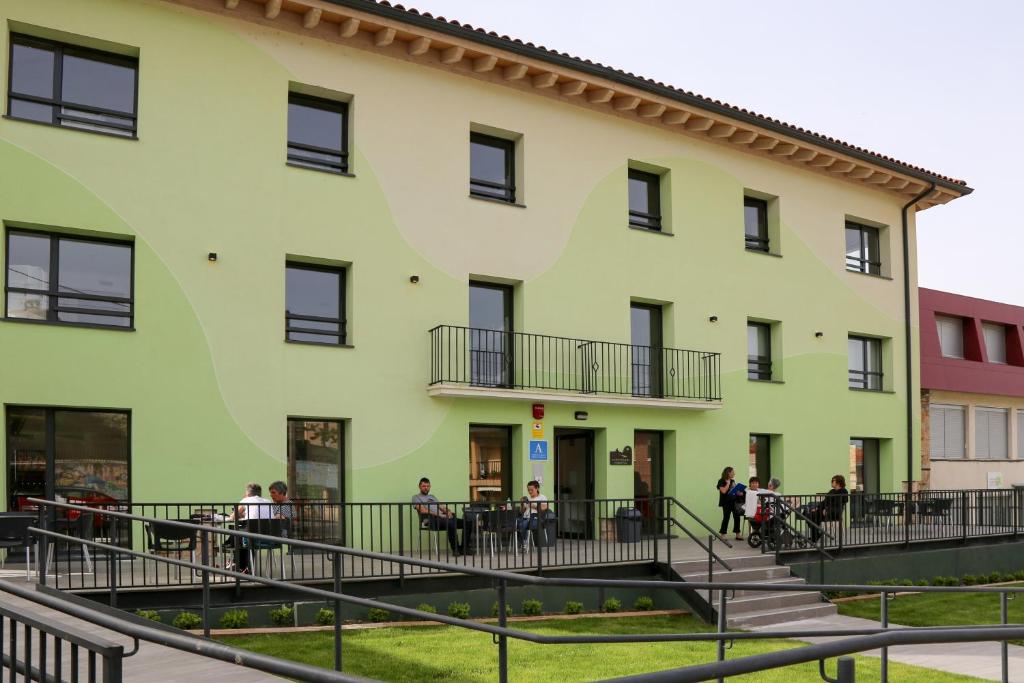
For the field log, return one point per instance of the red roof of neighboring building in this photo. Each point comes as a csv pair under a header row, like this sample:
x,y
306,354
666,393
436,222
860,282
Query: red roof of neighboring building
x,y
973,373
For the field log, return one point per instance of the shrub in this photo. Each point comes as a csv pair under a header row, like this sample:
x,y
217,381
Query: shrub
x,y
995,577
612,605
968,579
533,608
494,609
458,610
922,582
150,614
187,621
644,604
282,616
573,607
426,607
1019,576
234,618
378,615
325,617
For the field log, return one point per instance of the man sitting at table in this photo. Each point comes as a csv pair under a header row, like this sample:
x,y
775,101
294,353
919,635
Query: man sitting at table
x,y
437,517
252,506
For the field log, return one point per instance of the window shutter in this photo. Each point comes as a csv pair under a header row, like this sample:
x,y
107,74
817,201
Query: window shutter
x,y
954,437
995,342
997,440
951,336
937,418
1020,433
981,447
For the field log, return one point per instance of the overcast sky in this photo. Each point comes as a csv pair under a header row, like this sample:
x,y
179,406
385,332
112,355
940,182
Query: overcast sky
x,y
935,83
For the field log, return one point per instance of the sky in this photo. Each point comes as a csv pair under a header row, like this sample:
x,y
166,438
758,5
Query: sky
x,y
923,81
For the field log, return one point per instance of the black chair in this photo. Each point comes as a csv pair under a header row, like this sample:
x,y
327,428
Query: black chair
x,y
168,538
497,523
265,527
14,534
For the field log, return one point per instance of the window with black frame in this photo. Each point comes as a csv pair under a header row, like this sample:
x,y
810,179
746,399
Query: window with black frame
x,y
862,249
759,351
865,363
644,200
57,278
315,304
74,87
755,224
492,167
317,133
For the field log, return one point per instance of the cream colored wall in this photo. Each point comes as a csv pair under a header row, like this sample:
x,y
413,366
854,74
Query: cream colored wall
x,y
973,473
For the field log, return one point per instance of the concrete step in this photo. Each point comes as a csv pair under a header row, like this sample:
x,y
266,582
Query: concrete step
x,y
789,580
755,575
746,620
743,562
769,601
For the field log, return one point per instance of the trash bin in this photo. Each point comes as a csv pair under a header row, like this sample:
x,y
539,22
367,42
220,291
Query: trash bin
x,y
546,533
628,523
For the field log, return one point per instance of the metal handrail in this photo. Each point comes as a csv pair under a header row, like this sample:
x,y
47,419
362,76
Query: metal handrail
x,y
980,633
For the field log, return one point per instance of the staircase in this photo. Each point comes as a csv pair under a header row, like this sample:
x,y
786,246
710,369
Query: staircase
x,y
748,608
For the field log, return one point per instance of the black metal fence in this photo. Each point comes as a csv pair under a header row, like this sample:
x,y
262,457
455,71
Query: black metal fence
x,y
870,519
866,638
516,360
509,536
40,648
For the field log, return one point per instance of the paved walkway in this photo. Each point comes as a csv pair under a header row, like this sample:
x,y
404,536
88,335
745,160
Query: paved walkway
x,y
980,660
151,662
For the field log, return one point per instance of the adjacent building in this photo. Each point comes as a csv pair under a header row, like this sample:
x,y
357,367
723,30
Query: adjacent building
x,y
349,244
972,392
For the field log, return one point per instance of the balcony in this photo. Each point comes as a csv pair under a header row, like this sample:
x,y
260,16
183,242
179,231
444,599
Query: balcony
x,y
470,362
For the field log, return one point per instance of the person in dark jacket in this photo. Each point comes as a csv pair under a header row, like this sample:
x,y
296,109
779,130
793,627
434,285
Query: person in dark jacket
x,y
727,501
831,507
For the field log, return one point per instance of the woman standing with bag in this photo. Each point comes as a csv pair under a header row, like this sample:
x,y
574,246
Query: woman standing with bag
x,y
727,501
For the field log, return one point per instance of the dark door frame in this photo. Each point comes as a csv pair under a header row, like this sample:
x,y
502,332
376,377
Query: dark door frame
x,y
587,509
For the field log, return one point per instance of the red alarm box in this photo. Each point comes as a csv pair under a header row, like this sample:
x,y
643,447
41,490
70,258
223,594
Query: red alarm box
x,y
538,411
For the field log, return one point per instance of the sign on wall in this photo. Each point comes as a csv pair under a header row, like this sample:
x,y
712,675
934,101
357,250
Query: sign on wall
x,y
538,450
621,457
538,430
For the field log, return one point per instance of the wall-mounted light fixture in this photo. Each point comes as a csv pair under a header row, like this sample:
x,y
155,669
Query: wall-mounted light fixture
x,y
212,256
580,415
713,319
414,279
819,335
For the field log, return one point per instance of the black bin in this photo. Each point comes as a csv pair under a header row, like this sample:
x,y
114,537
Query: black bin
x,y
546,533
628,523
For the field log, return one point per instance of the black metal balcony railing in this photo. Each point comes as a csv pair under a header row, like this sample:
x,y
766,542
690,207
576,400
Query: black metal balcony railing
x,y
516,360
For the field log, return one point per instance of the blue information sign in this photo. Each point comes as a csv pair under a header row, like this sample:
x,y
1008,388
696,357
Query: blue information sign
x,y
538,450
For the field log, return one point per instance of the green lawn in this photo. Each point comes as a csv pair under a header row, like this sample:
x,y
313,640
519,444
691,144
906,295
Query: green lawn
x,y
452,654
939,609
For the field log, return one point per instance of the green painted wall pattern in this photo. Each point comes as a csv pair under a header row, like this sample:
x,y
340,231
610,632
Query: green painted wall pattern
x,y
210,381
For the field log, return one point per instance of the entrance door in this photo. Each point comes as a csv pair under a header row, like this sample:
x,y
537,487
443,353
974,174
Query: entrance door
x,y
646,339
649,477
490,334
574,482
316,477
864,481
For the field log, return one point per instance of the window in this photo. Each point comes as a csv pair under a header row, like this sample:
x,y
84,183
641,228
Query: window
x,y
492,168
648,477
761,458
1020,433
865,363
646,333
864,467
315,304
644,200
63,279
759,351
490,464
862,249
951,336
491,337
317,133
755,224
995,342
948,437
82,455
69,86
990,433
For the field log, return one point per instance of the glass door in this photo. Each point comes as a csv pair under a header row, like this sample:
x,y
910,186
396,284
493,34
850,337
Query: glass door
x,y
316,477
490,334
490,464
574,482
645,336
648,477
